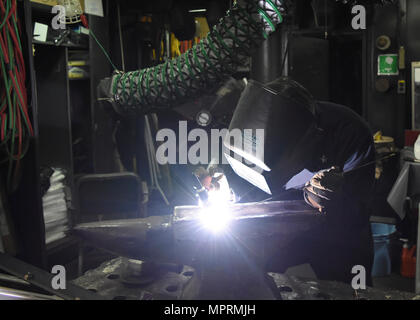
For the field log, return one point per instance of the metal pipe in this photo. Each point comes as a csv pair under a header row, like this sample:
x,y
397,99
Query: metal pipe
x,y
176,238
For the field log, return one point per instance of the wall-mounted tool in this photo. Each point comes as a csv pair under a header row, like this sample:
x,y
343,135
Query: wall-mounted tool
x,y
383,42
61,37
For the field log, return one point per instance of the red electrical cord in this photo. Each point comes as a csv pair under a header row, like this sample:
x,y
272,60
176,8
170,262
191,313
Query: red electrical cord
x,y
13,89
3,123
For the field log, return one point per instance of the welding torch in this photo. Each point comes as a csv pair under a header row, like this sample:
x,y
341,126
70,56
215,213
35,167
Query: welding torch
x,y
206,181
391,155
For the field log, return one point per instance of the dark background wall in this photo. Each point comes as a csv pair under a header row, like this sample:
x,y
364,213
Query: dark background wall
x,y
390,111
386,111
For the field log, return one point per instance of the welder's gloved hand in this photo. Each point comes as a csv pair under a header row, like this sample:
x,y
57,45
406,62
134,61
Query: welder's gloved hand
x,y
325,190
208,178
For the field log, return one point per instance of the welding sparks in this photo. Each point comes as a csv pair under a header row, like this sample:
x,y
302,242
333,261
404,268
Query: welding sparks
x,y
215,218
215,214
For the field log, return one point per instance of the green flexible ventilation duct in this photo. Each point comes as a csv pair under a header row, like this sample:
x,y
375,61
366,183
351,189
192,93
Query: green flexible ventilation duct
x,y
202,68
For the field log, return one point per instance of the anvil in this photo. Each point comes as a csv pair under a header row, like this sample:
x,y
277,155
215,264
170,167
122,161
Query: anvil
x,y
227,261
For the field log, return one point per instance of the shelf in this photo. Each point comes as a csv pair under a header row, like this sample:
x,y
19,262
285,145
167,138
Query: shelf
x,y
60,244
40,7
78,79
68,45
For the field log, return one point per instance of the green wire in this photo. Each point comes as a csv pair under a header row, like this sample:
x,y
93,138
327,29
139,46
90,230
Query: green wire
x,y
210,42
196,59
236,40
139,83
165,66
102,48
178,65
6,84
5,127
267,18
155,76
114,86
19,92
5,15
134,75
220,40
187,62
148,80
205,54
253,22
171,66
276,10
21,108
124,80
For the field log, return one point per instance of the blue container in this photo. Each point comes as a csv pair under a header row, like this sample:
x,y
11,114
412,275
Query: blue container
x,y
381,237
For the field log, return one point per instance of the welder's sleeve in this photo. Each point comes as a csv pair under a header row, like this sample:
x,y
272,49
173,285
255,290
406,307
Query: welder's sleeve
x,y
355,149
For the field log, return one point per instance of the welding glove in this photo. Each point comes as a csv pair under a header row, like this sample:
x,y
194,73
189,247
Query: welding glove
x,y
208,178
325,190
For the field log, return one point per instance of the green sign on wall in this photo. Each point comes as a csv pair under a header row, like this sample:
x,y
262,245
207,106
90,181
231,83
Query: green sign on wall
x,y
388,64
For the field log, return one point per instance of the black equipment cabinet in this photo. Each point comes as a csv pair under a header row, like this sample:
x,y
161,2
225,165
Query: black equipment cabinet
x,y
55,135
65,119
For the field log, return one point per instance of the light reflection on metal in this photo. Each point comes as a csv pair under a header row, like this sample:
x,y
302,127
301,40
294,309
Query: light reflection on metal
x,y
13,294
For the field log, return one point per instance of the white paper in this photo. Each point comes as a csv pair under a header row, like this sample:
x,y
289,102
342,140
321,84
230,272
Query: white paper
x,y
248,174
94,7
84,30
417,75
40,32
299,180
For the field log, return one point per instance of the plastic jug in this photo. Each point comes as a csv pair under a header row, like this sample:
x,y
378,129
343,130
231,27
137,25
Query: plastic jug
x,y
408,261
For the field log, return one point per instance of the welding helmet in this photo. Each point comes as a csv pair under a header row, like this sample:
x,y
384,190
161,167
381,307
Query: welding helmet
x,y
277,122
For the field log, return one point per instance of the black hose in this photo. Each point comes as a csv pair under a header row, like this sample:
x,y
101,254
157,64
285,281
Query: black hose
x,y
202,68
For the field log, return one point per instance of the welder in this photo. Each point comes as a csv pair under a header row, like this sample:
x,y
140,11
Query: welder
x,y
327,151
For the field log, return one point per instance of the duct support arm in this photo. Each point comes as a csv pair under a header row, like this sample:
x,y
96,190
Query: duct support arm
x,y
202,68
